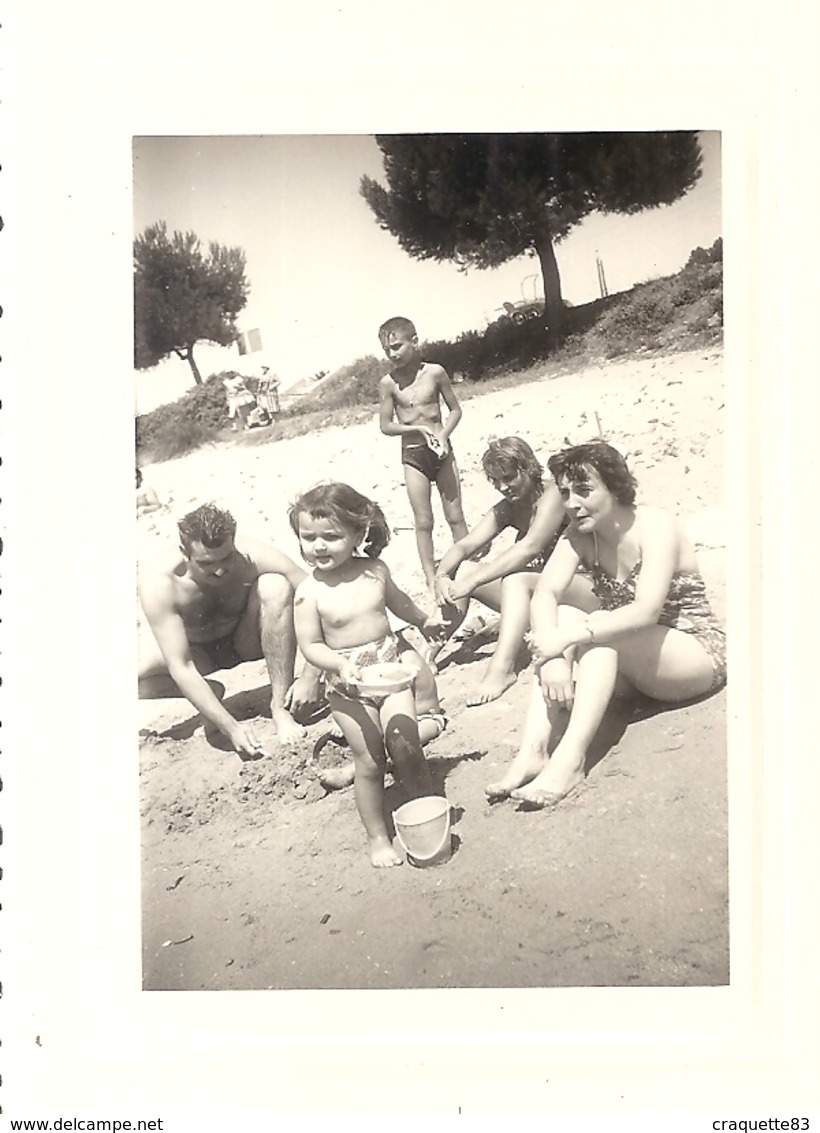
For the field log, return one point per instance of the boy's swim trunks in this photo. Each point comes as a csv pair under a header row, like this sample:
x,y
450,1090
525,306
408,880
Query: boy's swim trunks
x,y
418,454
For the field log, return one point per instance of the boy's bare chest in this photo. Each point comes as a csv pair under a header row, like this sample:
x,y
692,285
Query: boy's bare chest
x,y
421,391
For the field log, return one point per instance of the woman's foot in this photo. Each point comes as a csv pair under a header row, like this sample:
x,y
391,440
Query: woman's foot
x,y
526,766
493,686
382,854
560,777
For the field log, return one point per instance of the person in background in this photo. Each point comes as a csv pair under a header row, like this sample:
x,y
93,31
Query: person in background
x,y
410,399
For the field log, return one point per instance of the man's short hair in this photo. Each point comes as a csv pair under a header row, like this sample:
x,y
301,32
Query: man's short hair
x,y
397,325
208,524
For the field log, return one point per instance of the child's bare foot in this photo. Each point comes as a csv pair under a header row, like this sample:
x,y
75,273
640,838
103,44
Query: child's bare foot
x,y
337,778
525,767
382,854
491,688
287,730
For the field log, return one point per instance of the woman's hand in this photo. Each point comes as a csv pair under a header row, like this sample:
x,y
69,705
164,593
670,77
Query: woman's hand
x,y
557,686
444,589
460,589
548,645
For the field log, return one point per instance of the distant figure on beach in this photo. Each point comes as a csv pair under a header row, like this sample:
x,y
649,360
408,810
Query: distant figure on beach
x,y
410,398
342,626
506,582
213,603
241,401
147,498
267,394
653,632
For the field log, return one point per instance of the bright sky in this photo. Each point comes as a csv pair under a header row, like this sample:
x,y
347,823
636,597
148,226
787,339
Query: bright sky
x,y
323,275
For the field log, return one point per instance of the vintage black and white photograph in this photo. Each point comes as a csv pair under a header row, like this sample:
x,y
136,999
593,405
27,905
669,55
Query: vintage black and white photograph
x,y
432,560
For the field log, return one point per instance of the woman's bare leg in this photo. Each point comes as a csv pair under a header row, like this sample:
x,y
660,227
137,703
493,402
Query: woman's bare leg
x,y
516,595
532,753
362,729
596,672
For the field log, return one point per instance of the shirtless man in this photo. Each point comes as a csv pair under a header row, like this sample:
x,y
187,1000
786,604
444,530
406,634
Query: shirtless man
x,y
410,400
213,603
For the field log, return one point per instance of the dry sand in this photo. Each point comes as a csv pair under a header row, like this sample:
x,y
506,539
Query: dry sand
x,y
264,877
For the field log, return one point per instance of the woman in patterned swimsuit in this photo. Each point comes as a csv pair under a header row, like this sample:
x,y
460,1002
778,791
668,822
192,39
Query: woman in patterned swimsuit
x,y
653,631
504,582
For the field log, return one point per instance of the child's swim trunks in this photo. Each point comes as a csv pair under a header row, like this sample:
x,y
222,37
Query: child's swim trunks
x,y
418,454
382,652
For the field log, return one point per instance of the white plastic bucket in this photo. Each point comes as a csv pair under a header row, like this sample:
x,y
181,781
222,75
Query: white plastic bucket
x,y
423,830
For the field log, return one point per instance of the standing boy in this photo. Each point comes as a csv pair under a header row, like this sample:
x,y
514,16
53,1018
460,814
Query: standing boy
x,y
410,399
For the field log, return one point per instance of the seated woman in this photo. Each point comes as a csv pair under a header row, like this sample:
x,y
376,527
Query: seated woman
x,y
505,582
147,498
654,631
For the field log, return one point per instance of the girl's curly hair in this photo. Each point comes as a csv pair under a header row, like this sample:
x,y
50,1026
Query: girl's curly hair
x,y
347,507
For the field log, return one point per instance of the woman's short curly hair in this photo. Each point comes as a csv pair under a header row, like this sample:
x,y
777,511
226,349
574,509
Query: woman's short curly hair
x,y
505,457
573,464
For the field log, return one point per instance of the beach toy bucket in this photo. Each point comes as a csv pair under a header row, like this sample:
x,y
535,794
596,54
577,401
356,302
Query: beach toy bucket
x,y
423,830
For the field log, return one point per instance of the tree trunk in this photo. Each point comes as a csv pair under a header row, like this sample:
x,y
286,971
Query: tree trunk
x,y
552,282
189,358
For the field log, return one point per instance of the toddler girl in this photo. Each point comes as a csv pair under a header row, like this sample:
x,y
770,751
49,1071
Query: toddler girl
x,y
340,611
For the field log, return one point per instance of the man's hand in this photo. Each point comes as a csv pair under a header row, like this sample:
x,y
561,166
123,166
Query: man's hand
x,y
245,742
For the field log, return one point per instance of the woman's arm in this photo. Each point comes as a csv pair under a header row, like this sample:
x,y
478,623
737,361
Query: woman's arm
x,y
547,639
490,525
549,515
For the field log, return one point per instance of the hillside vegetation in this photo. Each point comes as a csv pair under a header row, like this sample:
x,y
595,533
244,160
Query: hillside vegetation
x,y
679,312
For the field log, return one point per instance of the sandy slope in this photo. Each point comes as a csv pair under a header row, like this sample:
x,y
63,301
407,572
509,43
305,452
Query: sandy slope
x,y
626,883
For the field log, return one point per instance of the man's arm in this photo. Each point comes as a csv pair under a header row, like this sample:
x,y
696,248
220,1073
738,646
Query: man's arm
x,y
268,560
168,628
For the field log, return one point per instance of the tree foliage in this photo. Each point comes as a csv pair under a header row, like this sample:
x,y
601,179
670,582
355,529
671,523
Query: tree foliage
x,y
483,199
183,296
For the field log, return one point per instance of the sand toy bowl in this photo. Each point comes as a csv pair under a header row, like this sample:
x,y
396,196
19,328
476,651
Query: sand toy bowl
x,y
384,679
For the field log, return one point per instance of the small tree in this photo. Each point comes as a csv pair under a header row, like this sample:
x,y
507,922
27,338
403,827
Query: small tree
x,y
483,199
182,296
